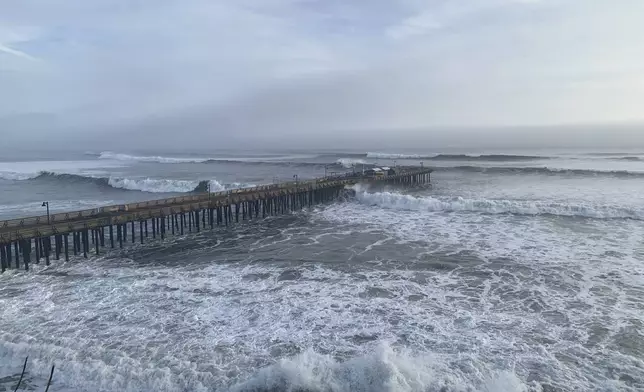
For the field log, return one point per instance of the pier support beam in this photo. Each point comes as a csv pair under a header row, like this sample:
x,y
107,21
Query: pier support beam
x,y
8,251
85,243
17,252
3,258
26,253
47,249
37,247
66,243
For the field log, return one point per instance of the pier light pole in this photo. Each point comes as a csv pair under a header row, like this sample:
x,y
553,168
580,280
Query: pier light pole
x,y
46,204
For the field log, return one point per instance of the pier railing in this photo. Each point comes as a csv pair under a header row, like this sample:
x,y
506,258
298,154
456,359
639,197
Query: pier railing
x,y
47,236
193,198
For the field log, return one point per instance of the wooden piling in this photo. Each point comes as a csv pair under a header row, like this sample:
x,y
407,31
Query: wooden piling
x,y
37,248
26,253
47,249
66,244
17,252
3,258
8,252
85,234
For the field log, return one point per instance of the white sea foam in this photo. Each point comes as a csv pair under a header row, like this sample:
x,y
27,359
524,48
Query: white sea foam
x,y
350,162
384,370
372,295
521,207
170,186
14,176
216,314
158,185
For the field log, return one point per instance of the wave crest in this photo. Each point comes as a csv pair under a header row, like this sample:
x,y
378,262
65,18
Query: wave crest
x,y
490,206
349,162
457,157
150,185
157,159
543,171
385,370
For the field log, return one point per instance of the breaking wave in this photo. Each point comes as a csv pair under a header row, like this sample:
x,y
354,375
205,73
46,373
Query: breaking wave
x,y
280,159
631,159
384,370
15,176
543,170
163,185
150,185
613,154
490,206
158,159
458,157
349,162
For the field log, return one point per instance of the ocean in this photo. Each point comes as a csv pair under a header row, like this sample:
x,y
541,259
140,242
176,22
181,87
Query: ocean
x,y
513,271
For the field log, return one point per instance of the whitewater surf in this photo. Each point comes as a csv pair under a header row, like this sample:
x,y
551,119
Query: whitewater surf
x,y
506,274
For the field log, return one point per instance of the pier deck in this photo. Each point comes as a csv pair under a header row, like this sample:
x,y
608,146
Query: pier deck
x,y
20,237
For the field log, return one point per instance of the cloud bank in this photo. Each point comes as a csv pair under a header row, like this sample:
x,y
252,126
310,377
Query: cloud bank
x,y
295,67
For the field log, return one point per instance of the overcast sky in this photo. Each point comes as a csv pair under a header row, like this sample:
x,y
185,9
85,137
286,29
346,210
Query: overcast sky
x,y
246,67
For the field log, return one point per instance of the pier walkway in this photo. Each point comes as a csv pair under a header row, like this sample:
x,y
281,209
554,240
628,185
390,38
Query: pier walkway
x,y
19,238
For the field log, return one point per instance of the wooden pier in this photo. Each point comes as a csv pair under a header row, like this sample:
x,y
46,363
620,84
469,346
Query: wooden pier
x,y
27,240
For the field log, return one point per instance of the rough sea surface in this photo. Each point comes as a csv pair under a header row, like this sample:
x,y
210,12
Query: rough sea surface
x,y
513,271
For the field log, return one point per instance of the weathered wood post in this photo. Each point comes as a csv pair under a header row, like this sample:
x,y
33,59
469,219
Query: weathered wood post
x,y
37,248
56,248
66,241
17,252
121,233
3,259
9,255
26,253
162,230
85,243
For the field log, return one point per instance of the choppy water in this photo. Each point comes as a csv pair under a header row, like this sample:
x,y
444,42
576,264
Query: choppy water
x,y
512,272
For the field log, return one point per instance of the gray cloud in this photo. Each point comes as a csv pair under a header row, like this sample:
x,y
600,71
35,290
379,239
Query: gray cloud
x,y
241,69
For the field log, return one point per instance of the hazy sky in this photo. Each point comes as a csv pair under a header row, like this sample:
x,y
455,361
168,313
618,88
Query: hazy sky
x,y
248,66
